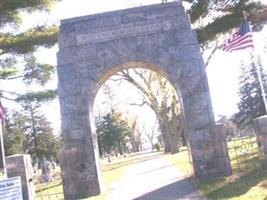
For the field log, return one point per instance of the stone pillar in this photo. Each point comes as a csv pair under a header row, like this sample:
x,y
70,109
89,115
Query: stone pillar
x,y
79,162
20,165
260,125
221,150
207,140
210,156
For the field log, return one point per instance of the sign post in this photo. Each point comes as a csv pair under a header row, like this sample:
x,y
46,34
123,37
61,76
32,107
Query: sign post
x,y
3,151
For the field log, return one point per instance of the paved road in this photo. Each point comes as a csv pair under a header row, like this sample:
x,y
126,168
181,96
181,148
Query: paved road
x,y
154,179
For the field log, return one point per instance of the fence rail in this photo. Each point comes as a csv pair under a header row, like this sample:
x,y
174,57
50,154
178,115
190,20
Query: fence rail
x,y
48,186
245,154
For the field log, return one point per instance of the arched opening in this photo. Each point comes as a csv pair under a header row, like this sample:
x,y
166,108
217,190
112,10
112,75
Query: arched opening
x,y
147,90
150,109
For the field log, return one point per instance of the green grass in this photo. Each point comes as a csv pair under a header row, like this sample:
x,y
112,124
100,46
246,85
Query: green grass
x,y
181,160
250,186
244,154
245,186
110,171
249,179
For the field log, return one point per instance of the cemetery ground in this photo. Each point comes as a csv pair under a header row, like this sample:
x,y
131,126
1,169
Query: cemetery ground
x,y
251,184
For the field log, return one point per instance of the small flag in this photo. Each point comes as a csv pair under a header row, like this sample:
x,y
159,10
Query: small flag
x,y
241,39
2,113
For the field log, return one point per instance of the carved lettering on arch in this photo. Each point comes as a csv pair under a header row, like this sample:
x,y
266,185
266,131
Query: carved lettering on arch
x,y
124,31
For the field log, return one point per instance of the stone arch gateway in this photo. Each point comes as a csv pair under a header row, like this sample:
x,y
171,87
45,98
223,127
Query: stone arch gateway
x,y
92,48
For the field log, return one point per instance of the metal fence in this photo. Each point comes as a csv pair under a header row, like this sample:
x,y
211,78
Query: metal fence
x,y
245,154
48,183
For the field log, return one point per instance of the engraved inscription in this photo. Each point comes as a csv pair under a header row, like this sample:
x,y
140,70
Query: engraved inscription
x,y
124,31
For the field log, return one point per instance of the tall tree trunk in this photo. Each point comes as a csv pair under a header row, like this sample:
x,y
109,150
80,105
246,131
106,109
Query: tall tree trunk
x,y
34,132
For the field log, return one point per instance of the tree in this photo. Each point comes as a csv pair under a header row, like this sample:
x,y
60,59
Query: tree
x,y
222,16
251,103
112,133
134,135
13,134
151,134
38,129
160,96
20,138
13,43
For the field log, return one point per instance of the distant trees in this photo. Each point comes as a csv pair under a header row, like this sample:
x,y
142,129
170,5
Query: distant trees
x,y
26,130
112,133
30,132
135,135
251,104
158,94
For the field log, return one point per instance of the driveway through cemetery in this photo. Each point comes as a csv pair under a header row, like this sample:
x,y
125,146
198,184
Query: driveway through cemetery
x,y
153,179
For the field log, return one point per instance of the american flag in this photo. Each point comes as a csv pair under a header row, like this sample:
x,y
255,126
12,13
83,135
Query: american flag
x,y
241,39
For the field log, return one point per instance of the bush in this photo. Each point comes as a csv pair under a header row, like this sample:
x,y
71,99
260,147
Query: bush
x,y
157,146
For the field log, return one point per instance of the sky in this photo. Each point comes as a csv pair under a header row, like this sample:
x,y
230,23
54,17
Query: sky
x,y
223,70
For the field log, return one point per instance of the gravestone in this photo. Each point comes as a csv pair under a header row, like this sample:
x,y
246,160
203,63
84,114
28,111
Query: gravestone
x,y
20,165
92,48
260,125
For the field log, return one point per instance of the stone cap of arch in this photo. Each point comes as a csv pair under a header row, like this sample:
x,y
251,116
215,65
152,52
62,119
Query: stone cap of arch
x,y
122,12
121,24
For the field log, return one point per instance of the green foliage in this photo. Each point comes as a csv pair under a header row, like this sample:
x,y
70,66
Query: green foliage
x,y
13,133
157,146
223,16
198,9
36,72
251,103
112,132
7,72
28,41
29,132
48,144
9,10
14,44
37,97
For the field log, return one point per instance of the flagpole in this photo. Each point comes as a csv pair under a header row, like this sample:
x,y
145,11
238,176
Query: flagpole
x,y
3,151
2,139
256,56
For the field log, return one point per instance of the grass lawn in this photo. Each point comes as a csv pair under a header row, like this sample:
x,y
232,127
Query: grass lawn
x,y
251,186
110,171
181,160
249,181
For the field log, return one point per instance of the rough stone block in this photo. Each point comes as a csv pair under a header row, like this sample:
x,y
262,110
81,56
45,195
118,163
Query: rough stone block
x,y
20,165
260,125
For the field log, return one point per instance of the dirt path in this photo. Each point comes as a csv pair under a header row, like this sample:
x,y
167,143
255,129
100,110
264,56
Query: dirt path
x,y
154,179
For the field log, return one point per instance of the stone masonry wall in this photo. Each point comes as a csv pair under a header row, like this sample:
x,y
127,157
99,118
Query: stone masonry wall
x,y
92,48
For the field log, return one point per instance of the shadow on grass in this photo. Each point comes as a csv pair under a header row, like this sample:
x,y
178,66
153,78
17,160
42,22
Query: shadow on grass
x,y
224,188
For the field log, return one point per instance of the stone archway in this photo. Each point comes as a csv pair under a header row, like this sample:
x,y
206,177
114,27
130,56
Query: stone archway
x,y
92,48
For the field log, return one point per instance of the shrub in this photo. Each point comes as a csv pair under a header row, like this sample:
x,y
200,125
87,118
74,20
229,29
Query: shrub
x,y
157,146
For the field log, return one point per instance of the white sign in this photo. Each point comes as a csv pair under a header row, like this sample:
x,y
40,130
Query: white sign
x,y
10,189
